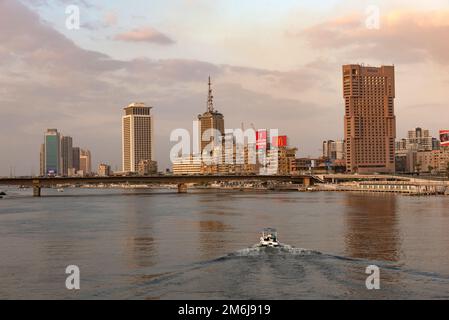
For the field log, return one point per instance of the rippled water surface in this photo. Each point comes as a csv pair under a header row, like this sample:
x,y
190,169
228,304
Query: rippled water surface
x,y
162,245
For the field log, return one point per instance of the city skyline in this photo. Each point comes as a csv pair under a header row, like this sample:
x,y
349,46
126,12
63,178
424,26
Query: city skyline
x,y
364,88
59,157
79,87
138,109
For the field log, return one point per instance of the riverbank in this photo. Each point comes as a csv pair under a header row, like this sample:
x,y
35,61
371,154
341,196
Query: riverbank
x,y
406,188
412,188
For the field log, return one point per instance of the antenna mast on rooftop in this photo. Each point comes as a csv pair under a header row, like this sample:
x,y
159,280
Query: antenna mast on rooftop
x,y
210,99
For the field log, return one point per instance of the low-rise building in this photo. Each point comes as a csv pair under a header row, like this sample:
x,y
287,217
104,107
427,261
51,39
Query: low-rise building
x,y
419,152
146,167
187,165
281,161
434,161
405,160
441,160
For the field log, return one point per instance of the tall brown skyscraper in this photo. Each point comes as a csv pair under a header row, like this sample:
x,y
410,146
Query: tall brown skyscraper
x,y
211,119
370,123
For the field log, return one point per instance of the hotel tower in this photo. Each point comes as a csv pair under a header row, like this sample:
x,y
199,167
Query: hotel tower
x,y
137,136
370,123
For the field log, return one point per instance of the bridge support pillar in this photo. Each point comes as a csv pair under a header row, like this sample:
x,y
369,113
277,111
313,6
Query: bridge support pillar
x,y
182,188
307,182
36,191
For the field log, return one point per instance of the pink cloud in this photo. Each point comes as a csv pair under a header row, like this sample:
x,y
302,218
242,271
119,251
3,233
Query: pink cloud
x,y
110,19
145,34
46,80
403,36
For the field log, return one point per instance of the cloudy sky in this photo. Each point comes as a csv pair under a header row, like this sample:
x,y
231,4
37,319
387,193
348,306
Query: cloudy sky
x,y
273,63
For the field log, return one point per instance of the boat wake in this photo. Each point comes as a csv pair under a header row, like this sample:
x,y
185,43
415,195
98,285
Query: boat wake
x,y
258,250
285,272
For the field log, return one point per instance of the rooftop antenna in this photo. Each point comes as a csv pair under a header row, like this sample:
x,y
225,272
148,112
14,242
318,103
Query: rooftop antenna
x,y
210,99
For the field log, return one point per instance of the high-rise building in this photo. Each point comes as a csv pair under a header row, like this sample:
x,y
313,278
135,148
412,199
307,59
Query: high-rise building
x,y
370,122
280,158
85,162
42,160
226,157
211,124
66,154
137,136
436,144
334,150
76,158
419,139
401,145
52,152
104,170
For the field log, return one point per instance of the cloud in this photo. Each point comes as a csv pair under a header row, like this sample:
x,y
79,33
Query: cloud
x,y
110,19
145,34
40,3
46,80
403,37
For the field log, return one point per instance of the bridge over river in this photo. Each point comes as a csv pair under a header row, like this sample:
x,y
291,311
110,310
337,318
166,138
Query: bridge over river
x,y
37,183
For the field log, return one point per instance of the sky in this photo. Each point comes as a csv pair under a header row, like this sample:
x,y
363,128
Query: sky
x,y
274,64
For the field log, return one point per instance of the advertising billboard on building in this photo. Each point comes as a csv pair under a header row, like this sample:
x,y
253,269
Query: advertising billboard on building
x,y
444,138
279,141
261,139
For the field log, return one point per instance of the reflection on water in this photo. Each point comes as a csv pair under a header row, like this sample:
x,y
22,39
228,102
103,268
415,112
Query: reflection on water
x,y
372,231
140,246
160,245
372,227
211,236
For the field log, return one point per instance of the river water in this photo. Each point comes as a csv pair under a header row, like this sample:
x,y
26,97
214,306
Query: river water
x,y
157,244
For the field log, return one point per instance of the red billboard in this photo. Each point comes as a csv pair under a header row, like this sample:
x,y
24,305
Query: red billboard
x,y
261,139
279,141
444,138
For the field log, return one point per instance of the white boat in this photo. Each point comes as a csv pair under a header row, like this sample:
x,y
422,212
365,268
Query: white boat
x,y
269,238
60,190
